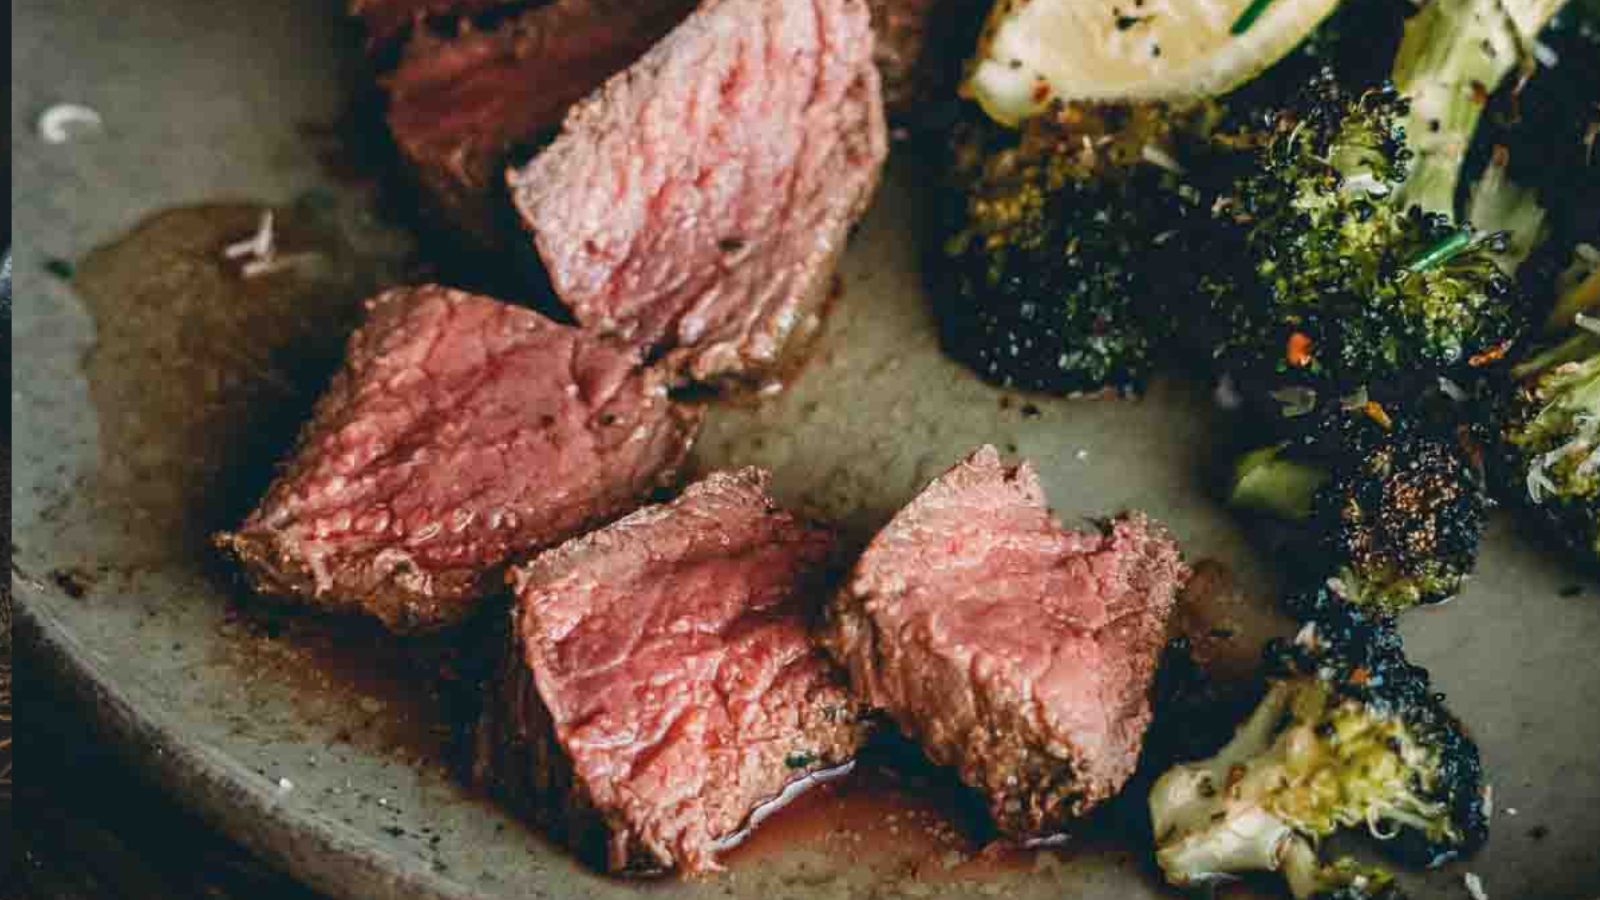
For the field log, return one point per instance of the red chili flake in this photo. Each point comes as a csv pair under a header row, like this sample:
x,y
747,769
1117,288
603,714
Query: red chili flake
x,y
1497,352
1377,413
1298,353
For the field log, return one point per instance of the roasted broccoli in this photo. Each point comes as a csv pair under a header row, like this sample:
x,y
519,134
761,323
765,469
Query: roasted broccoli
x,y
1453,55
1542,135
1042,279
1393,508
1553,431
1341,289
1349,735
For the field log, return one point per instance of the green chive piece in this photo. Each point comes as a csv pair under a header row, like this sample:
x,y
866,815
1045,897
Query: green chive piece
x,y
1248,17
1441,252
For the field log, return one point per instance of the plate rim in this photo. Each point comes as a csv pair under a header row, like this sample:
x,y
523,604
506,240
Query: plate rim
x,y
321,853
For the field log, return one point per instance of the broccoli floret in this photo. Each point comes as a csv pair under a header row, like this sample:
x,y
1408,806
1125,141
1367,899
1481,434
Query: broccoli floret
x,y
1544,135
1453,54
1394,509
1349,735
1342,288
1553,430
1041,281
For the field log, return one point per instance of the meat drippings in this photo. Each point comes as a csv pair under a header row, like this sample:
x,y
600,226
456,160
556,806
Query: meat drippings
x,y
200,375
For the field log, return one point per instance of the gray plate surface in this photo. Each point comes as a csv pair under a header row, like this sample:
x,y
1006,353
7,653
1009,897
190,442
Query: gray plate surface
x,y
328,760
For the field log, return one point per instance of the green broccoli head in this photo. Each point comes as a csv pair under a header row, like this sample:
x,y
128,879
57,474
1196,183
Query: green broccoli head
x,y
1552,433
1041,281
1342,288
1348,735
1313,206
1394,509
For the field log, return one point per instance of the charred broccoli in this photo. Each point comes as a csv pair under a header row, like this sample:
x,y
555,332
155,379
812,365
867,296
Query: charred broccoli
x,y
1543,135
1042,280
1394,509
1341,288
1348,735
1453,55
1553,430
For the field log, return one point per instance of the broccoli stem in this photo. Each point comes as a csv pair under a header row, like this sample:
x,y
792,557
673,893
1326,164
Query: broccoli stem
x,y
1263,481
1453,55
1311,879
1582,297
1583,345
1301,869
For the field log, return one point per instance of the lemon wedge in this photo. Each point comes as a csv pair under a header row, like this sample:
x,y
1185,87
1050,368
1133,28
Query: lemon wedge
x,y
1034,51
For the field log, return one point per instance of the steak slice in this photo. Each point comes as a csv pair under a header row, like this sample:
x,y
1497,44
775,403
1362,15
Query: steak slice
x,y
1019,653
461,433
662,688
461,106
696,204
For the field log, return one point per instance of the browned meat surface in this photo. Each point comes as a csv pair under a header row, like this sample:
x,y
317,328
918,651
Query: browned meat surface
x,y
461,434
662,685
1019,653
697,203
463,104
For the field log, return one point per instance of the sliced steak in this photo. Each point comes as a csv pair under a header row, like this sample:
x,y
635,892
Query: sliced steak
x,y
662,687
461,433
463,104
1019,653
697,203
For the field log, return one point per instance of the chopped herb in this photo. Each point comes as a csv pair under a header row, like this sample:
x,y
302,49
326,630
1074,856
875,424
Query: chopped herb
x,y
1126,22
799,760
1442,252
60,268
1248,17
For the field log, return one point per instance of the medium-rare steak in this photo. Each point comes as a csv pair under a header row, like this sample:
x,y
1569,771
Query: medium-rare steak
x,y
662,686
464,103
461,433
1019,653
697,202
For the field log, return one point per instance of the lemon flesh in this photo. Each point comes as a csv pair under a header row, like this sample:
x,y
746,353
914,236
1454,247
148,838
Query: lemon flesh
x,y
1035,51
